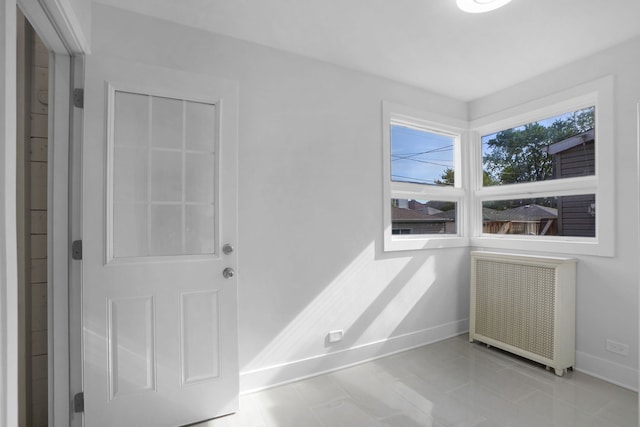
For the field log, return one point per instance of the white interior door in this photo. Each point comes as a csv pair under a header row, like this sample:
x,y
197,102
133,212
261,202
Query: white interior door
x,y
159,205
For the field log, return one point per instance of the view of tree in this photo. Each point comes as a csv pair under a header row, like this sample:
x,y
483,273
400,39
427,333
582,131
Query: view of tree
x,y
519,154
447,178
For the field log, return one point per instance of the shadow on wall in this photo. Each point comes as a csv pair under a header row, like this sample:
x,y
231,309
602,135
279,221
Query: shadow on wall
x,y
370,300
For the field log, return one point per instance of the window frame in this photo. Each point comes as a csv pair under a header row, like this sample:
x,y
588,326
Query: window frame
x,y
598,93
395,114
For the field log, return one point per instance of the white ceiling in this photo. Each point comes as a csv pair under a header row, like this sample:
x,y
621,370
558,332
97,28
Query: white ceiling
x,y
426,43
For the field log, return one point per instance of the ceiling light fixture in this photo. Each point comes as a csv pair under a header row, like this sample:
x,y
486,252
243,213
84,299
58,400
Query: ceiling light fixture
x,y
479,6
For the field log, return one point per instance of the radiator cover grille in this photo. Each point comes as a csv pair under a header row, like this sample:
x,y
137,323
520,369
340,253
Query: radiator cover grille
x,y
515,305
525,305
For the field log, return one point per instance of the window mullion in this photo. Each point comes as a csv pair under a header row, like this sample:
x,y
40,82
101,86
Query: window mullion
x,y
563,187
402,189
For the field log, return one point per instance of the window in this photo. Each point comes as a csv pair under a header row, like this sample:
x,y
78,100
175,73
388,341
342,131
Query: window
x,y
573,216
423,181
553,148
421,156
423,217
543,171
536,177
163,167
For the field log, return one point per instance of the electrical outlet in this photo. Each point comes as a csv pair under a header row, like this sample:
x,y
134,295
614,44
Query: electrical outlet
x,y
617,347
335,336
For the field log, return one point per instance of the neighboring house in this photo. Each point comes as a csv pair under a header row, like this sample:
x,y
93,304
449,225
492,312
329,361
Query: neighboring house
x,y
413,217
425,208
408,221
574,157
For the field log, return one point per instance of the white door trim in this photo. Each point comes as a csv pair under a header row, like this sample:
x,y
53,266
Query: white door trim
x,y
56,24
75,227
58,239
8,245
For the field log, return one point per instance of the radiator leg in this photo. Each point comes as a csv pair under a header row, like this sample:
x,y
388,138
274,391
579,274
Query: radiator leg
x,y
560,372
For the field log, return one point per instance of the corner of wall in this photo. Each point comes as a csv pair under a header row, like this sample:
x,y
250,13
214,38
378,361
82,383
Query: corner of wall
x,y
606,370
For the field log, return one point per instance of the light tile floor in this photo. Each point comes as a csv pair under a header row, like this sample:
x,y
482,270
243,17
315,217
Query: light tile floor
x,y
447,384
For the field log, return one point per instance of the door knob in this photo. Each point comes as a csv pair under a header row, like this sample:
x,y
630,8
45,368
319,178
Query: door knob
x,y
228,273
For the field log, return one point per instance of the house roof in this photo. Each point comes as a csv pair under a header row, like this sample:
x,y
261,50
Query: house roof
x,y
531,212
450,214
566,144
403,214
521,213
426,208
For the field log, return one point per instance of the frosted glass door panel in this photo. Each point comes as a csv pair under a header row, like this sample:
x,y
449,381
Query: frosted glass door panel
x,y
199,177
200,238
167,123
130,181
131,242
131,125
164,176
200,126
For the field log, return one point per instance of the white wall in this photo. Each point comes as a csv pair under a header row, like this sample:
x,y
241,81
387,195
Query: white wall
x,y
81,11
310,210
607,288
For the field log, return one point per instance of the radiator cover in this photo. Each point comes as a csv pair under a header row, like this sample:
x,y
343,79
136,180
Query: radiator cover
x,y
525,305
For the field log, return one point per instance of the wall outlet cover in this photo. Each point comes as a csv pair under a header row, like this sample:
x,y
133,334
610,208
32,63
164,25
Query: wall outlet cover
x,y
335,336
617,347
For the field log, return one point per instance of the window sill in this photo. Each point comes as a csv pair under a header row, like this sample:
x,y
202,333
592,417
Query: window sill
x,y
413,243
555,244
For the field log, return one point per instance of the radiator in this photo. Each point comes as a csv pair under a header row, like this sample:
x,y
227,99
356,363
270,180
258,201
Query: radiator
x,y
525,305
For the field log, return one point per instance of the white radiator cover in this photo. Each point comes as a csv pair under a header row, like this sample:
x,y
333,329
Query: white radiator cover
x,y
525,305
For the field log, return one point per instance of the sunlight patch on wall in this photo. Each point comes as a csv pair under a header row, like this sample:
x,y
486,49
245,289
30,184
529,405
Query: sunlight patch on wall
x,y
403,303
338,306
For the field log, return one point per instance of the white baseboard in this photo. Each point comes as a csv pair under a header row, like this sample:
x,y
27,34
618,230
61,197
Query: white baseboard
x,y
272,376
606,370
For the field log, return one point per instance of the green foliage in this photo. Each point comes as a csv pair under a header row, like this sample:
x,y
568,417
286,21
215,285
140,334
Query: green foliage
x,y
519,154
447,178
488,180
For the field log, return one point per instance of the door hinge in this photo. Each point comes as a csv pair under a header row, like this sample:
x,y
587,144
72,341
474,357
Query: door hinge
x,y
78,98
78,402
76,250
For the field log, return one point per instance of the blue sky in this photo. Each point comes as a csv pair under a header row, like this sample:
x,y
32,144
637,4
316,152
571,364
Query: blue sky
x,y
419,156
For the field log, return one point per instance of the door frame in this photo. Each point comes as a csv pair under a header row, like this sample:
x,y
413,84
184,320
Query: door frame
x,y
58,27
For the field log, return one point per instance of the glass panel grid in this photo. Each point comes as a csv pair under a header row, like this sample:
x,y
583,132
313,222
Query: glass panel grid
x,y
164,176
